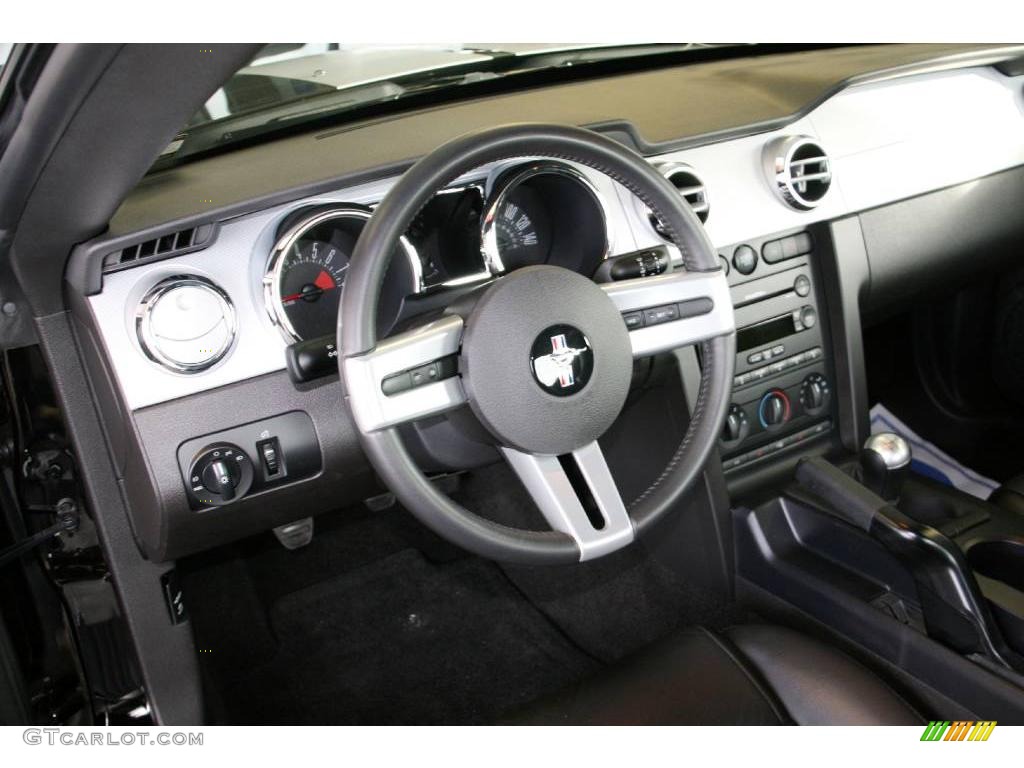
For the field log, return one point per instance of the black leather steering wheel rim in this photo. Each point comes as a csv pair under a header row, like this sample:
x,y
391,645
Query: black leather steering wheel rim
x,y
357,331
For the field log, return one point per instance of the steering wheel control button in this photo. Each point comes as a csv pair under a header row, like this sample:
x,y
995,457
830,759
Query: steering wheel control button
x,y
220,474
802,285
633,320
663,314
744,259
185,324
562,360
420,376
774,409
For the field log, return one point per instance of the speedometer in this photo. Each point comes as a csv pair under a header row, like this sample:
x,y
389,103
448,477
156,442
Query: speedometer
x,y
544,213
307,268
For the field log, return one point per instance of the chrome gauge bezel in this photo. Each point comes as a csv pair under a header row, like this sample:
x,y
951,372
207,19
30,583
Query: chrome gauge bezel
x,y
275,262
150,344
507,183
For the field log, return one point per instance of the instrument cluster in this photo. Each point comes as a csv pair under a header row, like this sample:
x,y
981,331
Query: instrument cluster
x,y
538,213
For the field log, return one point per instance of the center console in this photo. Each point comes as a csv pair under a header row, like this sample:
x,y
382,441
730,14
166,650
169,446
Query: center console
x,y
782,390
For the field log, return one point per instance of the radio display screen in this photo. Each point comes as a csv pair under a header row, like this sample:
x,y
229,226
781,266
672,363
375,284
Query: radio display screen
x,y
764,333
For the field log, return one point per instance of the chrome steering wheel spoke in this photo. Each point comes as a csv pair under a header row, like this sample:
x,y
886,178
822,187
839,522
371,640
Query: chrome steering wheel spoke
x,y
551,488
699,302
404,378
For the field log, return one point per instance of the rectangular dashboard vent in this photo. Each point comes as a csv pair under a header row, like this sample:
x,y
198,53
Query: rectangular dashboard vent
x,y
162,247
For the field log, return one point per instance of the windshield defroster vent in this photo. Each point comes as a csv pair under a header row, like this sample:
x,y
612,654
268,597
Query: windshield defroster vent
x,y
172,244
798,171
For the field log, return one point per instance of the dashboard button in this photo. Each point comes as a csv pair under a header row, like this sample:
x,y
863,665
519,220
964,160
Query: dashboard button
x,y
744,259
633,320
771,251
802,243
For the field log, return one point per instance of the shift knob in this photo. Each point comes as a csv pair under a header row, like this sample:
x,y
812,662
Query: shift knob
x,y
885,462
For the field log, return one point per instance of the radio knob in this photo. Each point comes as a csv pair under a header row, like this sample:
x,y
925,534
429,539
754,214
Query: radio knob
x,y
774,409
808,317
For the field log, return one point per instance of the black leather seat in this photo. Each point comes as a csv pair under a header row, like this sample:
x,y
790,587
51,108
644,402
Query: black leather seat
x,y
751,675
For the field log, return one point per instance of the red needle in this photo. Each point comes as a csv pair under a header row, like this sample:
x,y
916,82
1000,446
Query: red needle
x,y
323,281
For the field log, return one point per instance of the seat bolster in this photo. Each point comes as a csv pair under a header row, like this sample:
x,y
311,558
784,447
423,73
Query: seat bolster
x,y
818,684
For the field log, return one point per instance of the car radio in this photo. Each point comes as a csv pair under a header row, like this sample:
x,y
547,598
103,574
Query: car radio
x,y
782,391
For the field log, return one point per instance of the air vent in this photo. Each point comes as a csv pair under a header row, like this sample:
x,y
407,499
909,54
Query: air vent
x,y
690,187
798,171
165,246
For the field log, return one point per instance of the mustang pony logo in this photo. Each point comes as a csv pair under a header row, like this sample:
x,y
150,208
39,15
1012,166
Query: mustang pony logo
x,y
558,365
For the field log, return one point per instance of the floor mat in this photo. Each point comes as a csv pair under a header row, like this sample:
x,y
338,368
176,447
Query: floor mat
x,y
403,640
931,461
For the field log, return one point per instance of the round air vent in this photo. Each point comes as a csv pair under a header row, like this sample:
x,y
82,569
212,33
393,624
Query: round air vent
x,y
185,323
690,186
798,171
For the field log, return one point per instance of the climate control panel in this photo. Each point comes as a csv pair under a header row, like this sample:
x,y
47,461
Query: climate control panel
x,y
761,421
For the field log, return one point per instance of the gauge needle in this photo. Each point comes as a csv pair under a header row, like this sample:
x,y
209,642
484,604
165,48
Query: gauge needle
x,y
323,281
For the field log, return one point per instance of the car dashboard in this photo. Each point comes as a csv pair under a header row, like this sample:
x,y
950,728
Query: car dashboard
x,y
194,329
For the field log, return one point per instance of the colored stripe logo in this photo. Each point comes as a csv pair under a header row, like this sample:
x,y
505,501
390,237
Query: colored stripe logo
x,y
958,730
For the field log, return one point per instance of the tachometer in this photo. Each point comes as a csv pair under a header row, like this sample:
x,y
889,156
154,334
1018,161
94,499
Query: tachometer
x,y
307,268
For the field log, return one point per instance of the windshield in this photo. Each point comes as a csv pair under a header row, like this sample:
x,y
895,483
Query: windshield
x,y
294,83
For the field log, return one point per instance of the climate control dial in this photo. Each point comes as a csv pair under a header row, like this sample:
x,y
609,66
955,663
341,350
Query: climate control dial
x,y
815,394
774,409
736,428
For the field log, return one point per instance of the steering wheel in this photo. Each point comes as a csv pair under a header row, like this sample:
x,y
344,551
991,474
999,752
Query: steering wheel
x,y
543,358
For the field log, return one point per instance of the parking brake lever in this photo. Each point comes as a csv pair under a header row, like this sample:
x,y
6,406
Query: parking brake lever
x,y
955,612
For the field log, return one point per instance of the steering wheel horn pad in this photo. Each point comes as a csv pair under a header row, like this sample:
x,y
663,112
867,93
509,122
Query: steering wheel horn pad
x,y
501,379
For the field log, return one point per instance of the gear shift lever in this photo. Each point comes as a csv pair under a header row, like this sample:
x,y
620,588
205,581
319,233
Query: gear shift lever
x,y
885,462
